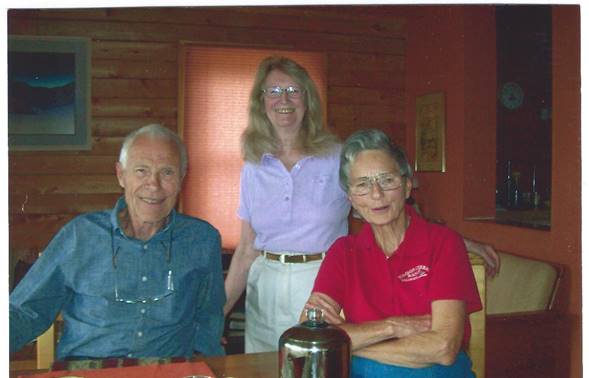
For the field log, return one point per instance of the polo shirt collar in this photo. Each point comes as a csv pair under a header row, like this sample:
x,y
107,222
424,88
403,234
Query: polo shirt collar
x,y
414,242
267,157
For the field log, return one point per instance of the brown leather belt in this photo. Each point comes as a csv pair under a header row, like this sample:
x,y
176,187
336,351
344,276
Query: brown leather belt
x,y
292,259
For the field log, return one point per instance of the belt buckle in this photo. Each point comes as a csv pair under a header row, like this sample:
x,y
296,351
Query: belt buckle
x,y
282,258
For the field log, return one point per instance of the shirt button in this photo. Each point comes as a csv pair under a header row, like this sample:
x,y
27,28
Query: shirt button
x,y
286,198
145,247
130,355
144,278
142,311
139,334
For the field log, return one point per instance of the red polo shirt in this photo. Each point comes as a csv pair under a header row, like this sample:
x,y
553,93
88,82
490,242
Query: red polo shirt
x,y
431,263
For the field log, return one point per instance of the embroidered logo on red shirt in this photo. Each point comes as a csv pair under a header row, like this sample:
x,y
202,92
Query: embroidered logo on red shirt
x,y
415,273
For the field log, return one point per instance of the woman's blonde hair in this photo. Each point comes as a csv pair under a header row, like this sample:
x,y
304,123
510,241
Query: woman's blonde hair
x,y
259,137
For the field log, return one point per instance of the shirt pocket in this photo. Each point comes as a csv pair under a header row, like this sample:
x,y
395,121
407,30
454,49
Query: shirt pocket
x,y
190,287
324,189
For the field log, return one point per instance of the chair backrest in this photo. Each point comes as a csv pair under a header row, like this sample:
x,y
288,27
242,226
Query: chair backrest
x,y
47,344
476,346
46,348
522,284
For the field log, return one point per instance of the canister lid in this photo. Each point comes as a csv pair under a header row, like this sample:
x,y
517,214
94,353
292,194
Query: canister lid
x,y
315,332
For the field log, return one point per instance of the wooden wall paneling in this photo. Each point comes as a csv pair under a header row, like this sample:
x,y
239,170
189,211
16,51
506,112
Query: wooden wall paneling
x,y
33,232
315,19
61,203
134,88
110,146
366,70
116,68
138,52
60,164
57,184
346,117
174,32
121,126
365,96
342,62
360,77
134,107
134,82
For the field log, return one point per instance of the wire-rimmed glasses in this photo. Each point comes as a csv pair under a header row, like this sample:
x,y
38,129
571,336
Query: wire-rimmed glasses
x,y
277,91
169,277
386,182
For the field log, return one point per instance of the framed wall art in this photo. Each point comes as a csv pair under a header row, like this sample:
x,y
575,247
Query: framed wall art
x,y
430,117
48,93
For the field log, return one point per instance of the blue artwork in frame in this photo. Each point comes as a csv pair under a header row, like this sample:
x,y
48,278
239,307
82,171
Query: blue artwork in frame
x,y
48,93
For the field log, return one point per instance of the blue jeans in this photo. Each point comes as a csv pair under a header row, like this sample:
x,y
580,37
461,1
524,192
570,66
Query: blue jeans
x,y
366,368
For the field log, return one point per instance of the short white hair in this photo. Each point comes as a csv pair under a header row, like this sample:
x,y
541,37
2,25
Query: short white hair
x,y
370,139
158,131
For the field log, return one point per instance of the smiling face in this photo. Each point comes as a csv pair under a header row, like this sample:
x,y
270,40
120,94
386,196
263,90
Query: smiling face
x,y
378,207
286,114
151,180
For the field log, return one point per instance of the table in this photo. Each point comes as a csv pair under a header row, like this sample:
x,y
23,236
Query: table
x,y
254,365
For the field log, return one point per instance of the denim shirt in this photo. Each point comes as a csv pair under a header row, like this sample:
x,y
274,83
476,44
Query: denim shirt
x,y
178,271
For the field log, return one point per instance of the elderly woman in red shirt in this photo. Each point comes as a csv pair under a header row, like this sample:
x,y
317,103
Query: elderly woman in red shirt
x,y
405,285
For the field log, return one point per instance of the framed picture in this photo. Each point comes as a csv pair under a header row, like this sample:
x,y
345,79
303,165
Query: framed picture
x,y
48,93
430,130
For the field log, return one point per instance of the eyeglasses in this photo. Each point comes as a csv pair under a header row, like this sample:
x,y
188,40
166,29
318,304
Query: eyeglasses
x,y
169,281
276,92
386,181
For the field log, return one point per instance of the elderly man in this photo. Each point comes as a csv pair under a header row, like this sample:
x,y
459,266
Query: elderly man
x,y
140,280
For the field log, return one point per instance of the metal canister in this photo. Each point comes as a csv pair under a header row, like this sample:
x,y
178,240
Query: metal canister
x,y
314,349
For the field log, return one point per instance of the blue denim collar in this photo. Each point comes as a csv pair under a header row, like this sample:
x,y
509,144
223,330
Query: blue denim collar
x,y
122,204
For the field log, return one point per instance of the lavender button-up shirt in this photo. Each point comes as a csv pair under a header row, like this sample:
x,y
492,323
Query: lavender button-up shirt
x,y
301,211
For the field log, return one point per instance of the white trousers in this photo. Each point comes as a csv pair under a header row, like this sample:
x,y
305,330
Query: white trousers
x,y
275,298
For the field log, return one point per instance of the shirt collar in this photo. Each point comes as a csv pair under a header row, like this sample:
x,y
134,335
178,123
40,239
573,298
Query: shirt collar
x,y
268,157
122,204
414,242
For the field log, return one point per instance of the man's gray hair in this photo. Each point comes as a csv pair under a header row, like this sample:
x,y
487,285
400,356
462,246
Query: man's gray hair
x,y
155,130
370,139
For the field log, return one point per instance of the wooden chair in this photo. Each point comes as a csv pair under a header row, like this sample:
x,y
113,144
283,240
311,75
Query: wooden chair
x,y
46,344
476,347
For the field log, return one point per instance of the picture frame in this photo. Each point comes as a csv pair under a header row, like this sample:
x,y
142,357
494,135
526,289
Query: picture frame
x,y
430,129
49,93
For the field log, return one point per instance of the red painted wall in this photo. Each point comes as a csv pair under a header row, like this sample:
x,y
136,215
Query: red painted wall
x,y
452,49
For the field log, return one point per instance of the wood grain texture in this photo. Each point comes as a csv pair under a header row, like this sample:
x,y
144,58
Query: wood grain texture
x,y
135,75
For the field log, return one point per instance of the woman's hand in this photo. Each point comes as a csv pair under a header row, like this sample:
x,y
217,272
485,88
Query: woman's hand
x,y
488,253
330,308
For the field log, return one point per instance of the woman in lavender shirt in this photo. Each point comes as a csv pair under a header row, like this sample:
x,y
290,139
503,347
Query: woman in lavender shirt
x,y
291,205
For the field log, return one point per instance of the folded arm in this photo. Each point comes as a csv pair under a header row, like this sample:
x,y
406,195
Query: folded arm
x,y
411,341
368,333
438,345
